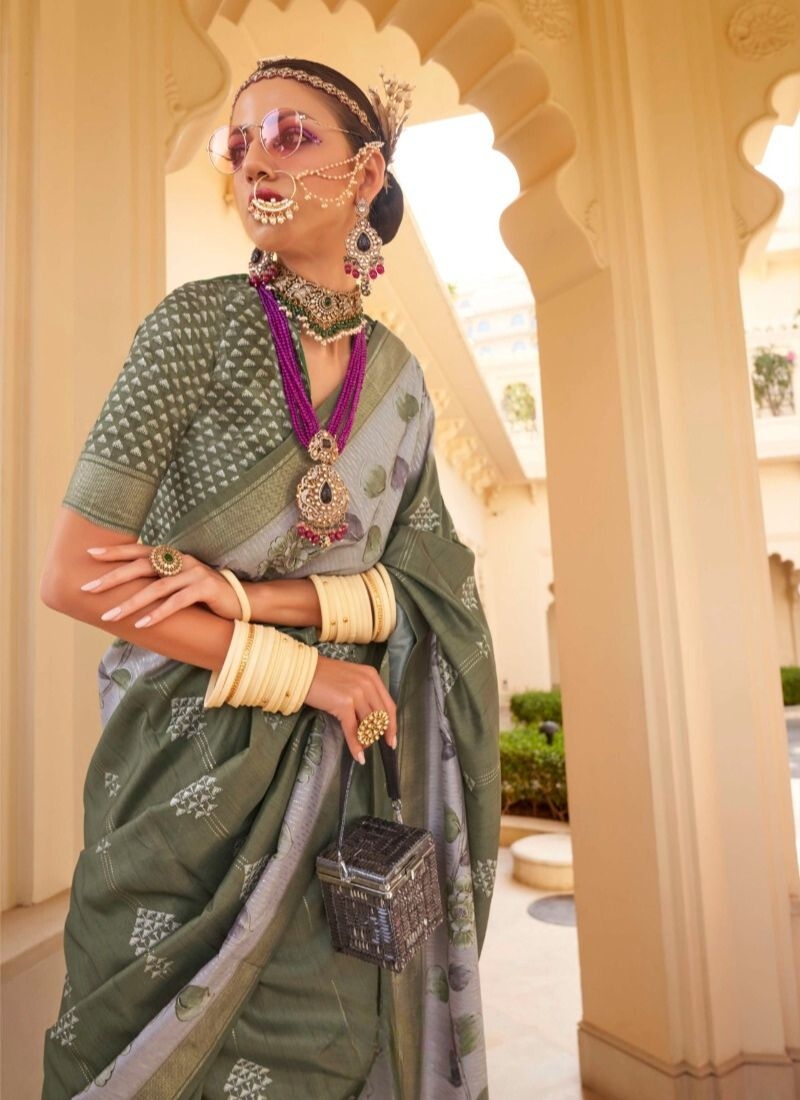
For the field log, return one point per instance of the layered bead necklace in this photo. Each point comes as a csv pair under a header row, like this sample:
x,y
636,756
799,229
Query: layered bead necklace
x,y
321,494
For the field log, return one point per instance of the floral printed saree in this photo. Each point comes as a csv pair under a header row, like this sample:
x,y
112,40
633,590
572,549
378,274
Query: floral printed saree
x,y
199,961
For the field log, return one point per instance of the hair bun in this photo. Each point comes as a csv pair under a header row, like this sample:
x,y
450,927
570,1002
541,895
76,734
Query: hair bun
x,y
386,211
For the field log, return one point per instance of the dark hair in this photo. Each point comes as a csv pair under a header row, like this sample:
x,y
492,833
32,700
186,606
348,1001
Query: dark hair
x,y
386,211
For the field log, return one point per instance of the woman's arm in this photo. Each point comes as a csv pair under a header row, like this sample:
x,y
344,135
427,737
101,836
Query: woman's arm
x,y
347,690
193,634
284,602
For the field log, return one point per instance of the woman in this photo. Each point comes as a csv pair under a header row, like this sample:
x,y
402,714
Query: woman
x,y
199,958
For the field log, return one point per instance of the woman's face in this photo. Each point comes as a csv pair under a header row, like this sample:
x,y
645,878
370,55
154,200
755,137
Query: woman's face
x,y
314,232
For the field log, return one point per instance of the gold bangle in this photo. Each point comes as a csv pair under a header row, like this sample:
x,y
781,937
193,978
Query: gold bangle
x,y
255,692
319,587
242,635
343,612
382,634
353,609
236,585
299,658
333,615
365,620
267,701
238,698
311,668
216,692
387,580
248,645
308,668
293,684
283,671
338,610
377,603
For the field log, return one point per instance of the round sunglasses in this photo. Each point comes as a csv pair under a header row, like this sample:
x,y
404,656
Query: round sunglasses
x,y
282,132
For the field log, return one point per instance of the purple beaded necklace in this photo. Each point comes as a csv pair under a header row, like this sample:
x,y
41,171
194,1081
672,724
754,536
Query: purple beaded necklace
x,y
321,494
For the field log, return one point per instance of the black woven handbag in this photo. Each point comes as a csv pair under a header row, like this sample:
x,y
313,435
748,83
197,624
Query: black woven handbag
x,y
379,881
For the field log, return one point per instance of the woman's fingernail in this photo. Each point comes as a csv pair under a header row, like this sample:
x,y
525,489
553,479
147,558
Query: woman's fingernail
x,y
89,585
96,550
112,614
144,621
361,758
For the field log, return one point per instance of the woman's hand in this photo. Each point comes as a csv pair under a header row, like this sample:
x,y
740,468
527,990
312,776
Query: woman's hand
x,y
349,692
196,583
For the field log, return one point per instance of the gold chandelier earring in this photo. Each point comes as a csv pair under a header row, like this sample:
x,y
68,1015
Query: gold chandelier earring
x,y
363,259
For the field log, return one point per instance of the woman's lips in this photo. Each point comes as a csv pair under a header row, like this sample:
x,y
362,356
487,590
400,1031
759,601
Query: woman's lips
x,y
266,195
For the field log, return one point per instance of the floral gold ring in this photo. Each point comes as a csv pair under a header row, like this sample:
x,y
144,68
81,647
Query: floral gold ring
x,y
166,560
373,726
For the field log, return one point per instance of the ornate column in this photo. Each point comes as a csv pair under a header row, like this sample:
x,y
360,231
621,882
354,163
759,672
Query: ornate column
x,y
687,892
94,98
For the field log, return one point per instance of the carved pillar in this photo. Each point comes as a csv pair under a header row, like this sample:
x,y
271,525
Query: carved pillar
x,y
94,97
686,881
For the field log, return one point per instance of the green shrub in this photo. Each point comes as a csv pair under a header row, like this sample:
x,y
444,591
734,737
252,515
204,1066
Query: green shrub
x,y
790,682
529,708
533,773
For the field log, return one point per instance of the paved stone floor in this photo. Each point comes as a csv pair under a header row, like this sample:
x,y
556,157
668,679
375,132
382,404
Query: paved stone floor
x,y
531,998
531,986
793,731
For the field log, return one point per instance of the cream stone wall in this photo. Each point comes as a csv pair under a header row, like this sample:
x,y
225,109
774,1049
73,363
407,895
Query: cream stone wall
x,y
520,557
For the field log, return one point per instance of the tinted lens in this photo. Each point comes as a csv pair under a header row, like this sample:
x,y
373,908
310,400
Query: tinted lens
x,y
227,147
282,132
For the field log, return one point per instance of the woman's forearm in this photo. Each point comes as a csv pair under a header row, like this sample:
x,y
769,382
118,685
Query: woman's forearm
x,y
194,634
284,602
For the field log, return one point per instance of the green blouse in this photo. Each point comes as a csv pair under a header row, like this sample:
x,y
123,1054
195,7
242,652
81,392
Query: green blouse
x,y
199,400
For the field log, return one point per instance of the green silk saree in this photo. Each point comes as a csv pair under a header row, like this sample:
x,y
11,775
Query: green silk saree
x,y
199,962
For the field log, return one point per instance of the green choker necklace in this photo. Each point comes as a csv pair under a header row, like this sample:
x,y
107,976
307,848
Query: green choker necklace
x,y
324,314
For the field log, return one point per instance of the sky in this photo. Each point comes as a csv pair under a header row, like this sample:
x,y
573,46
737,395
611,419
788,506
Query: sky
x,y
457,187
458,213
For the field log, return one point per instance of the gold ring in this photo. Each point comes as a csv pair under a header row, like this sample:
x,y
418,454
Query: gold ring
x,y
166,560
372,727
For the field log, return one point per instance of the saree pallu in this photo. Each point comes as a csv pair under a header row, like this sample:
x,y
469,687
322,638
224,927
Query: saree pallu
x,y
199,960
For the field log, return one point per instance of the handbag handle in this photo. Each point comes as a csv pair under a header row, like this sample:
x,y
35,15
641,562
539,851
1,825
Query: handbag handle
x,y
389,758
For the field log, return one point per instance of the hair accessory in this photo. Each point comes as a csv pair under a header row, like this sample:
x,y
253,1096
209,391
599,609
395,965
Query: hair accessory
x,y
166,560
393,112
265,71
321,494
373,726
324,314
363,258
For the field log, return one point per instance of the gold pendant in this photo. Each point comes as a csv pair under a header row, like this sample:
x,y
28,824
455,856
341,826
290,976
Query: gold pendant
x,y
321,494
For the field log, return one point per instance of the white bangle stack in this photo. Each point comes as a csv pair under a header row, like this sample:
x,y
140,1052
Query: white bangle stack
x,y
358,607
263,668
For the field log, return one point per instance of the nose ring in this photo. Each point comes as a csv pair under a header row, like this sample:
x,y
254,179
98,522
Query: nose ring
x,y
274,211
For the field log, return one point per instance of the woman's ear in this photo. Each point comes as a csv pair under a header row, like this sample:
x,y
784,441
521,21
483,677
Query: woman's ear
x,y
374,176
